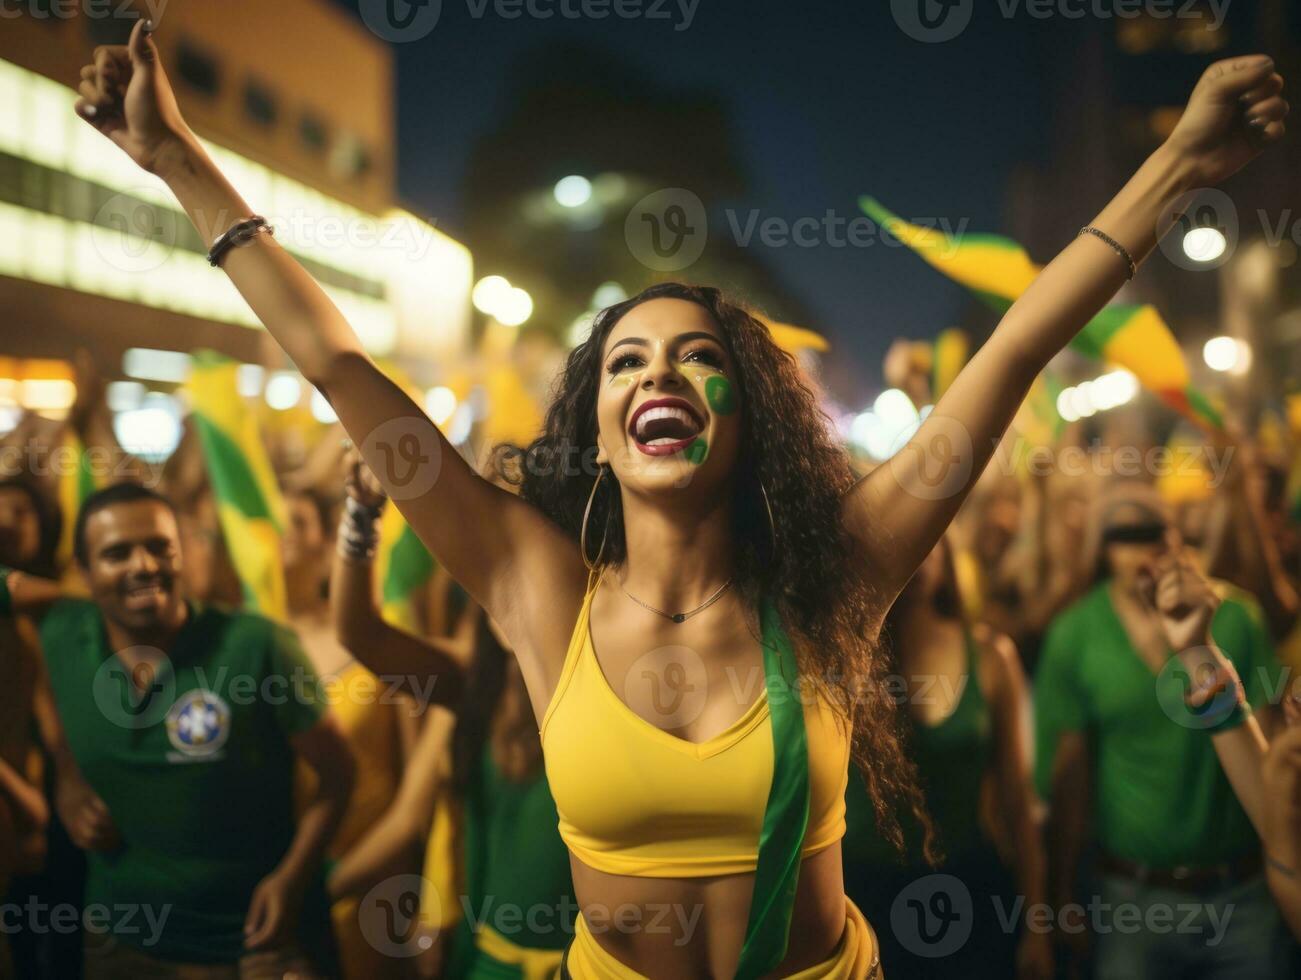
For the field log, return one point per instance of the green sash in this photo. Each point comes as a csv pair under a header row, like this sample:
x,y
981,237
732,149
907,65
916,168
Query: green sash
x,y
787,813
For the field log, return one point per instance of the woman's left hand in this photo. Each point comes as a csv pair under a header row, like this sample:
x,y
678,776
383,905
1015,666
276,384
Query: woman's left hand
x,y
1236,110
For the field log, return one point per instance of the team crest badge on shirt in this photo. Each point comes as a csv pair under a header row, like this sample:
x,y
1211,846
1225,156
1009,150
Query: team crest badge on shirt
x,y
198,724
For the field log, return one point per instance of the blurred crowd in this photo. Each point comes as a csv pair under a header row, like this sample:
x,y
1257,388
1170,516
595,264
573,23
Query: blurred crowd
x,y
362,828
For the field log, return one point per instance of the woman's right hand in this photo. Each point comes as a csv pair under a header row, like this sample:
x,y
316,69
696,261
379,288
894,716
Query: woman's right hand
x,y
360,482
125,94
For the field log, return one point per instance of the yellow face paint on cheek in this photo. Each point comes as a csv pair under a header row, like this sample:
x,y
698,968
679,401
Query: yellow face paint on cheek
x,y
621,380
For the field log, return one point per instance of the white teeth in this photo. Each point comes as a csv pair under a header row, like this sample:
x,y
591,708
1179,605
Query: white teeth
x,y
664,412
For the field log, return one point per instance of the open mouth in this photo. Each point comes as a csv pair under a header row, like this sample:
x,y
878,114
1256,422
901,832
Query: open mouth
x,y
663,426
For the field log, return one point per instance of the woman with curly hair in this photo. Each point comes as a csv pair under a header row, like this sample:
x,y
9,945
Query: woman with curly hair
x,y
695,605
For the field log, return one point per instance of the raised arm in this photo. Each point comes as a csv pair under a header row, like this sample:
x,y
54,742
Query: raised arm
x,y
431,669
492,542
899,511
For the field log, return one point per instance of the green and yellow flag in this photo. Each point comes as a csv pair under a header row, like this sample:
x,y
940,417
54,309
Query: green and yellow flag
x,y
405,568
76,483
793,339
998,271
949,354
249,502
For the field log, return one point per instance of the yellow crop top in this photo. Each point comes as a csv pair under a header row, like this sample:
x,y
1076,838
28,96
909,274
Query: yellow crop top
x,y
635,800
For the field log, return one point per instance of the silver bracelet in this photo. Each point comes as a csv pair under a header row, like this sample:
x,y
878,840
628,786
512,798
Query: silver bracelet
x,y
1115,245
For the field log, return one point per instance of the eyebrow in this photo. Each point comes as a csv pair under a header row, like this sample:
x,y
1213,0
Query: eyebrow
x,y
681,338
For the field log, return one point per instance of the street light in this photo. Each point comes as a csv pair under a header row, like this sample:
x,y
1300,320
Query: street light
x,y
1204,244
572,191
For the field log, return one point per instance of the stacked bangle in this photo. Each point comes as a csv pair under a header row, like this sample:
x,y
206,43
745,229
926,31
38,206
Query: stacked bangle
x,y
359,529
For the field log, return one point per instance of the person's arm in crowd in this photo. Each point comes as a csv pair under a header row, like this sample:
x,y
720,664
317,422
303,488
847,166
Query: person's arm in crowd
x,y
1281,835
1186,604
83,813
1010,704
27,799
1210,142
1064,772
1067,829
396,841
273,910
430,669
24,593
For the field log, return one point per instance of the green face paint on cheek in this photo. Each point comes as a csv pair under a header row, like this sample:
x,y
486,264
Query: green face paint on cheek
x,y
719,394
696,452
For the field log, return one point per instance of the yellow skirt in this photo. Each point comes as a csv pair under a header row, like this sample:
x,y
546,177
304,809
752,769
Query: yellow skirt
x,y
857,957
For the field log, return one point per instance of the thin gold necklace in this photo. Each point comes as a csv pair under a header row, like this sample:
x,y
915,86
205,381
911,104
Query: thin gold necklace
x,y
681,617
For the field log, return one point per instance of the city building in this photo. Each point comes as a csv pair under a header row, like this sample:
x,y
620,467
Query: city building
x,y
95,253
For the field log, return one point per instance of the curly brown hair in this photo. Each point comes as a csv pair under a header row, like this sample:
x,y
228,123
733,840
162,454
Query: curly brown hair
x,y
805,562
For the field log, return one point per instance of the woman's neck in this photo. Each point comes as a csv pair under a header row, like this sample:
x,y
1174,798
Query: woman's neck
x,y
676,558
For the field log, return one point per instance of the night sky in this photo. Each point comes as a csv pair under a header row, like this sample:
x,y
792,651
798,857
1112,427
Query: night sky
x,y
830,99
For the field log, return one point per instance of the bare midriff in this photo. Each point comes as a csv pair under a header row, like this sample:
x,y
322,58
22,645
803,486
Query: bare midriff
x,y
695,927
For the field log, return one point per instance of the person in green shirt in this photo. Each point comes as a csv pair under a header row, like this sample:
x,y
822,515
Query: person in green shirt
x,y
1179,883
187,722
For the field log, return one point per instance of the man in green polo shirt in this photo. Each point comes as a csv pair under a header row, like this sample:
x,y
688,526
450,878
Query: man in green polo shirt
x,y
187,722
1180,891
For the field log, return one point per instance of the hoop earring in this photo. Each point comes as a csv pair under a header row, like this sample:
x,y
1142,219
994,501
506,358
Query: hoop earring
x,y
772,525
582,533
